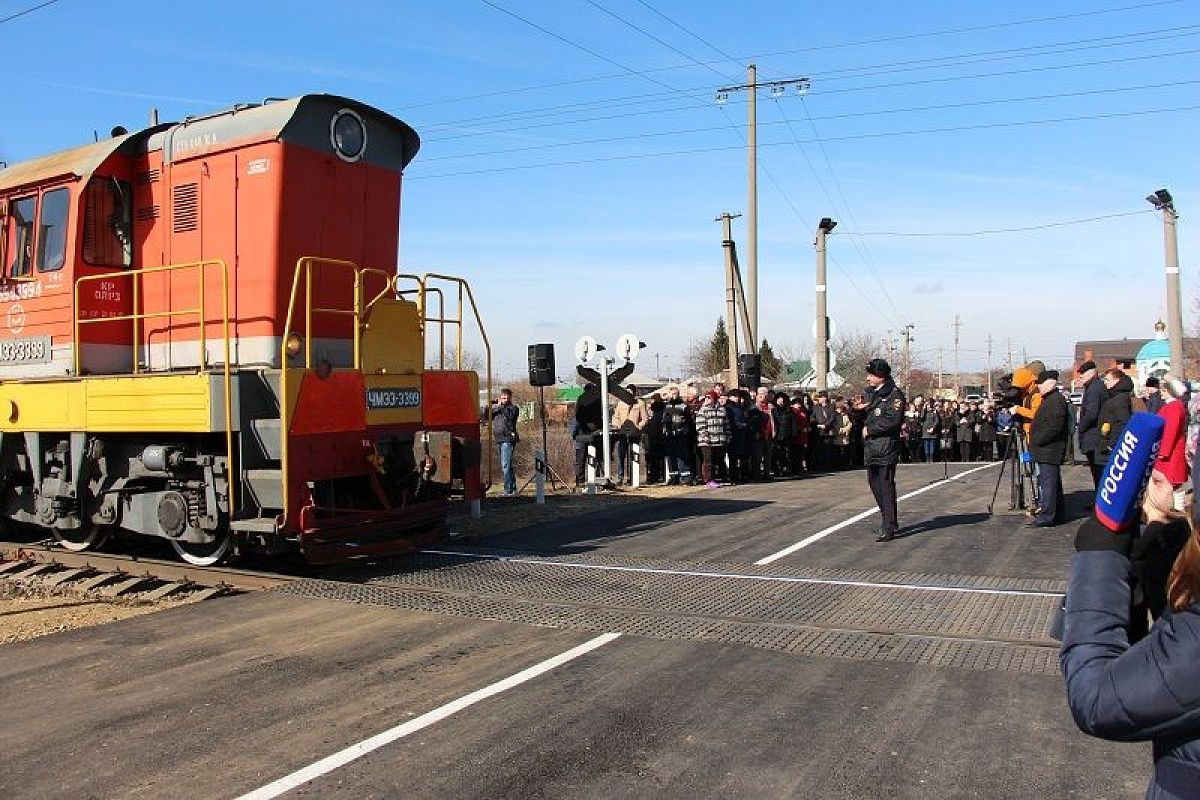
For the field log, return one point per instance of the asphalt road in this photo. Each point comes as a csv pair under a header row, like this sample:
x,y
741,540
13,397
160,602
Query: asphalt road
x,y
844,669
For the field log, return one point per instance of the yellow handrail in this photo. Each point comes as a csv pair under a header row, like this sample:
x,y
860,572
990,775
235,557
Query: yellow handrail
x,y
464,294
384,292
304,265
135,276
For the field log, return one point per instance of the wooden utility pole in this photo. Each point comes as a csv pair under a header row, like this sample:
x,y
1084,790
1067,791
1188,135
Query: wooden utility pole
x,y
731,297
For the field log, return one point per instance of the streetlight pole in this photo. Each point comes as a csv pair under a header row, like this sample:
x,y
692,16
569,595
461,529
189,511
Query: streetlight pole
x,y
821,346
1163,201
777,90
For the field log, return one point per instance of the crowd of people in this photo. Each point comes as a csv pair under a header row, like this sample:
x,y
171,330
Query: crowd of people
x,y
739,435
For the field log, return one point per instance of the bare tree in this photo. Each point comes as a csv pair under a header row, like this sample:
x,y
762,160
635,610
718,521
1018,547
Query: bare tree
x,y
853,350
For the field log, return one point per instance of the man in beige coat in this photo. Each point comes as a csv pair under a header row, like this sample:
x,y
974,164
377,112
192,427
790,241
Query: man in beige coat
x,y
629,420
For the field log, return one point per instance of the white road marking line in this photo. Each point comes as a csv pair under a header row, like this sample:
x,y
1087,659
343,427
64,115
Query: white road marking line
x,y
741,575
819,535
356,751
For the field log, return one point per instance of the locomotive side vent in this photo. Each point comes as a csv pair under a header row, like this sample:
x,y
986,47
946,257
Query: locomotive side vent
x,y
186,207
147,213
148,177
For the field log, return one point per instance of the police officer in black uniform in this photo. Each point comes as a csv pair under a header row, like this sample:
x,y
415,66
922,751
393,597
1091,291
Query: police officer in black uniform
x,y
883,415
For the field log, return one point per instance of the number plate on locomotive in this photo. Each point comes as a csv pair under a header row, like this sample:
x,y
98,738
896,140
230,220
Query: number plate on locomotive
x,y
393,398
31,350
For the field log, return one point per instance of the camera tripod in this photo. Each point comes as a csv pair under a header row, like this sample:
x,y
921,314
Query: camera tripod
x,y
1016,457
553,477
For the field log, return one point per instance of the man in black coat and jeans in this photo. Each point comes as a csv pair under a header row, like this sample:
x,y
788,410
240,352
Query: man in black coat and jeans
x,y
1088,427
883,417
1048,445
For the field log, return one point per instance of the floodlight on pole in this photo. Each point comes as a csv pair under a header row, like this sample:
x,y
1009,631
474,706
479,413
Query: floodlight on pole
x,y
821,346
1162,201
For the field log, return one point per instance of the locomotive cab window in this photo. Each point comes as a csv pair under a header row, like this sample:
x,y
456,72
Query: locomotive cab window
x,y
20,236
108,222
52,230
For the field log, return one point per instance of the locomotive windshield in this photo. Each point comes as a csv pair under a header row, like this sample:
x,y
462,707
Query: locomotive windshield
x,y
52,230
107,222
23,212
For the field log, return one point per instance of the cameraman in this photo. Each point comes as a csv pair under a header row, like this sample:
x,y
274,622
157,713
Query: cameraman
x,y
1149,690
504,429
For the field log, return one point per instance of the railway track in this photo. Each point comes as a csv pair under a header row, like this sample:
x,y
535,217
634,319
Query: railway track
x,y
45,565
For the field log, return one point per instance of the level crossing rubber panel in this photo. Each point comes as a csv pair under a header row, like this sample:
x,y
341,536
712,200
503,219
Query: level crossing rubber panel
x,y
937,620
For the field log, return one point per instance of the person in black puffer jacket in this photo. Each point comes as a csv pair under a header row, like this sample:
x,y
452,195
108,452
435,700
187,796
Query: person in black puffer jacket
x,y
678,429
785,429
1116,410
1149,690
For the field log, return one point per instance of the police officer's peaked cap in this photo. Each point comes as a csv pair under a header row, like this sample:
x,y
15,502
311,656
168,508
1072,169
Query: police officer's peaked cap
x,y
879,368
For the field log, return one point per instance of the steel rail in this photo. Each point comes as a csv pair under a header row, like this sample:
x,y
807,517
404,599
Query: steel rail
x,y
132,565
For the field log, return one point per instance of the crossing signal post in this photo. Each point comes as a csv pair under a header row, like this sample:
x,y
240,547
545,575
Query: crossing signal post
x,y
594,369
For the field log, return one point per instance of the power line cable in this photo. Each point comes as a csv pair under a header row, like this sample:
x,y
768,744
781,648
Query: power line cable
x,y
692,33
865,70
785,120
825,117
570,43
585,106
654,38
29,10
814,48
996,231
847,137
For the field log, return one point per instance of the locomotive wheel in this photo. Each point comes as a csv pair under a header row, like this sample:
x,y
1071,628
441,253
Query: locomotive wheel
x,y
207,554
88,537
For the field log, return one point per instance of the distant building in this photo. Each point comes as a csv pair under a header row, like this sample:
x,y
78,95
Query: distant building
x,y
802,376
1140,358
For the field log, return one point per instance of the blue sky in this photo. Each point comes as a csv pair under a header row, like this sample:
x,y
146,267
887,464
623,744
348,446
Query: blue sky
x,y
573,172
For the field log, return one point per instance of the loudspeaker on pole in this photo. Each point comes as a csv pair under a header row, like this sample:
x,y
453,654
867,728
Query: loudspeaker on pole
x,y
541,365
750,370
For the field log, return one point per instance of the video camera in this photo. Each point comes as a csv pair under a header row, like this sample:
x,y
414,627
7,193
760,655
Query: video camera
x,y
1006,395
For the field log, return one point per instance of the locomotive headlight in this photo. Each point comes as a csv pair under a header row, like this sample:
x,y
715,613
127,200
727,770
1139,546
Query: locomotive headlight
x,y
348,135
293,345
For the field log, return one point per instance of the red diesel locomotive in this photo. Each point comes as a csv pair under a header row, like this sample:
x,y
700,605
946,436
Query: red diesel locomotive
x,y
205,339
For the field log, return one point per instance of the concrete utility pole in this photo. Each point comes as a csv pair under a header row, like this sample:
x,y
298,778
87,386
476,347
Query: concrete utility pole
x,y
731,297
907,334
751,87
1163,201
1008,342
821,346
989,366
957,374
752,198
